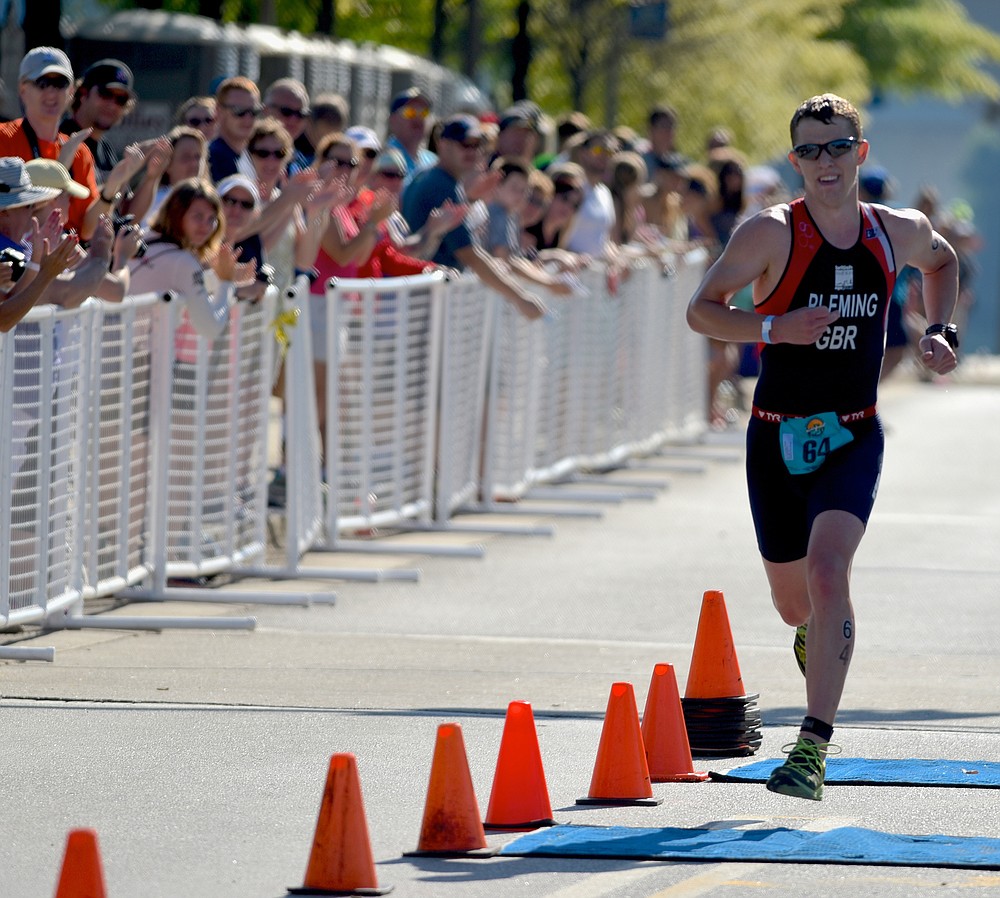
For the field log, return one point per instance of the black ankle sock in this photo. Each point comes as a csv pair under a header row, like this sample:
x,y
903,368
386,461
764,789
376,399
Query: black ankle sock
x,y
817,728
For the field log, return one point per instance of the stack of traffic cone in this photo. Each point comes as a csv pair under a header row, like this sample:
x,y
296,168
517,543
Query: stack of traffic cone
x,y
621,776
451,826
519,798
81,875
664,733
341,860
722,720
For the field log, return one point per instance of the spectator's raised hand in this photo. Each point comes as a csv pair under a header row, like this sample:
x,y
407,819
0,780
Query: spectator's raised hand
x,y
58,259
68,150
228,269
382,206
482,184
445,218
103,240
158,157
127,243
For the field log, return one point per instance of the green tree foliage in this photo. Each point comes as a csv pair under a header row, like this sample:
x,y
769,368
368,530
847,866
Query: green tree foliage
x,y
920,45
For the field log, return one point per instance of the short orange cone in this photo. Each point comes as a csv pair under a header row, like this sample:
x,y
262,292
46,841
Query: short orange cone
x,y
715,671
664,733
451,825
519,798
81,875
341,860
621,776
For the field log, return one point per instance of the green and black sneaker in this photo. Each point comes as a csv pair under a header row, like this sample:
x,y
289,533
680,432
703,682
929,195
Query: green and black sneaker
x,y
799,647
801,776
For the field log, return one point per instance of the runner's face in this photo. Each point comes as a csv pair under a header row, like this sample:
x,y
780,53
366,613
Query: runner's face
x,y
829,178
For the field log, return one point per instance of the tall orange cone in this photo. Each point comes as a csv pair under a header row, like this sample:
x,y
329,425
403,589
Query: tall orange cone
x,y
451,825
341,860
519,798
621,776
81,875
715,671
664,733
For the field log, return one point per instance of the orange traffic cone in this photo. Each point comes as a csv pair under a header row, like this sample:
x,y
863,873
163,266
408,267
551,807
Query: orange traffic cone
x,y
451,825
341,859
664,733
715,671
520,798
81,875
621,776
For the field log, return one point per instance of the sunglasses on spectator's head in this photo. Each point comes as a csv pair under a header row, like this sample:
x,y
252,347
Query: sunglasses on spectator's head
x,y
290,112
245,111
59,82
233,201
120,97
198,122
261,153
812,151
410,111
342,163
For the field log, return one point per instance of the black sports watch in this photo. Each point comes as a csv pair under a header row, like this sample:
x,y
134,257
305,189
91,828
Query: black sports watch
x,y
948,331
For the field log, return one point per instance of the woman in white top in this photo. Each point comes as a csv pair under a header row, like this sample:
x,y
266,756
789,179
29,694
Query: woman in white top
x,y
184,244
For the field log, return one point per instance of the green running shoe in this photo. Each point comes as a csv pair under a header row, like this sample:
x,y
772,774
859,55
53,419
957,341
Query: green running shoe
x,y
799,647
801,776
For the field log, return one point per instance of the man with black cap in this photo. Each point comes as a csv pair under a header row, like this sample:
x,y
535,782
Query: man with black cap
x,y
104,96
460,149
409,116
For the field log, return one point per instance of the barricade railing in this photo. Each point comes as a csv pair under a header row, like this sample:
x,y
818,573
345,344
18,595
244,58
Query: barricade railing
x,y
138,450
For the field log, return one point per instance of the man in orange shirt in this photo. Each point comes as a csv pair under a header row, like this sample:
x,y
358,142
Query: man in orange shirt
x,y
45,87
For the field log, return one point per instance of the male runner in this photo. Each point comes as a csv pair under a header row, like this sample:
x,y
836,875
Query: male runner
x,y
822,270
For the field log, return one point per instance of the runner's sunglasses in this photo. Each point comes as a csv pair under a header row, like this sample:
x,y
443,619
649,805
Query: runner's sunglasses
x,y
839,147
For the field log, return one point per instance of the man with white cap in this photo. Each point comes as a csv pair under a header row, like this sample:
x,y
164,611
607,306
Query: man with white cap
x,y
45,85
27,256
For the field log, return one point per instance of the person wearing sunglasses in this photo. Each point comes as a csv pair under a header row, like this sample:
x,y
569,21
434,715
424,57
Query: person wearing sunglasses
x,y
287,100
409,125
237,102
822,269
45,86
104,96
199,113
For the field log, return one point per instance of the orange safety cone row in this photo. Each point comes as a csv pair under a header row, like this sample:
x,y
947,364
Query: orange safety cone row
x,y
715,670
519,798
621,776
451,825
664,733
81,875
341,860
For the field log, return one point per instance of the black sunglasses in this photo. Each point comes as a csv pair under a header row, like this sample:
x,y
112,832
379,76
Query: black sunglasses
x,y
290,112
243,113
342,163
59,82
121,98
268,154
198,122
391,175
232,201
839,147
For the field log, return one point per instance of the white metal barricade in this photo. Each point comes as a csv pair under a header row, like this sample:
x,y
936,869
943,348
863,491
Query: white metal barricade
x,y
42,363
383,363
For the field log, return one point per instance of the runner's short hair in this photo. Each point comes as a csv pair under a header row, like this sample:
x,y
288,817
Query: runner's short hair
x,y
825,108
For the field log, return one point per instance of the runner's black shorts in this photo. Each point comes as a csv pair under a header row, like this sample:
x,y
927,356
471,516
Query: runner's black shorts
x,y
784,505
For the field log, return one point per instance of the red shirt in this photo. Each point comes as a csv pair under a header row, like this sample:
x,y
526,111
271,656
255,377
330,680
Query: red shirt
x,y
14,142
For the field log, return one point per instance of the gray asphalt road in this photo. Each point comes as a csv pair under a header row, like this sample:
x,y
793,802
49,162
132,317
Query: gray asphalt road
x,y
199,757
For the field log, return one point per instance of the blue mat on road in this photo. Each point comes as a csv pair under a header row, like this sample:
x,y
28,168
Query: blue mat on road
x,y
847,845
883,772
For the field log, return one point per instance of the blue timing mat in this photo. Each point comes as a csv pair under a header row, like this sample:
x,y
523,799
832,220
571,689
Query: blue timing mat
x,y
847,845
882,772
